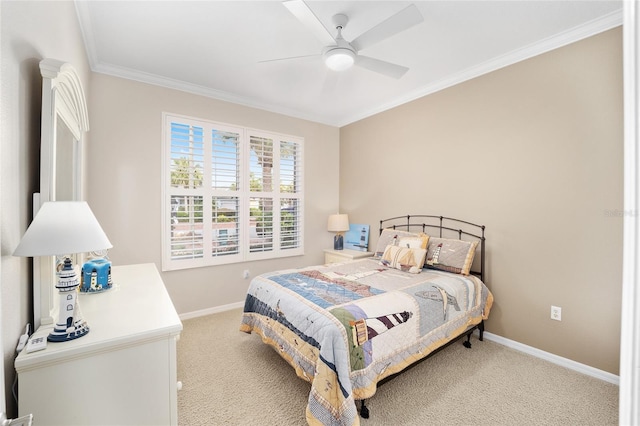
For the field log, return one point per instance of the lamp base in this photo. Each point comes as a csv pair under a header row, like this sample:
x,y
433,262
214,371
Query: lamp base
x,y
338,242
63,335
70,324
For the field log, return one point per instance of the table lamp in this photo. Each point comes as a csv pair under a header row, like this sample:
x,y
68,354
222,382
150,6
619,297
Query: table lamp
x,y
64,228
338,223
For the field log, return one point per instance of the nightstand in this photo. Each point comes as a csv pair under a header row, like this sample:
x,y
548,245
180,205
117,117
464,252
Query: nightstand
x,y
339,256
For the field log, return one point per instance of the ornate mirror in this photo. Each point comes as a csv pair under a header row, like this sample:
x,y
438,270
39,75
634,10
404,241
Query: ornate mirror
x,y
64,123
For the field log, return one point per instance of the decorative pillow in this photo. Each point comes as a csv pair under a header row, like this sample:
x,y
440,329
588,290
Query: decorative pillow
x,y
450,255
420,241
404,258
391,236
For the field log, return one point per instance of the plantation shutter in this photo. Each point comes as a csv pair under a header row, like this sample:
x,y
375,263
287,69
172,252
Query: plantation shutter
x,y
290,173
186,167
261,201
225,185
231,194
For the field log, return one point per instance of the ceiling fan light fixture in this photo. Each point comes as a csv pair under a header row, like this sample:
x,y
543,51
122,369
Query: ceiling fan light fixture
x,y
339,59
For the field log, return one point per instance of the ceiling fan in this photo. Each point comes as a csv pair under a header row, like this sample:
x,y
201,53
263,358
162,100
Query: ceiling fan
x,y
339,54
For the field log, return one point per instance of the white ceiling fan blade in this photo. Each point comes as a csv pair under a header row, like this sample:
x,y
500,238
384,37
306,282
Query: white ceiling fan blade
x,y
382,67
406,18
300,10
289,58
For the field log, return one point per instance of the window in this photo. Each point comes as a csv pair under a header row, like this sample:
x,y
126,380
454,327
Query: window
x,y
230,194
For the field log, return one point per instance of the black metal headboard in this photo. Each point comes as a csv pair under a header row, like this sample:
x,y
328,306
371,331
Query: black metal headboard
x,y
442,227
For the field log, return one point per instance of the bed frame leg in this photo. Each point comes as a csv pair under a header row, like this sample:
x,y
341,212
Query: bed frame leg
x,y
364,411
480,327
467,343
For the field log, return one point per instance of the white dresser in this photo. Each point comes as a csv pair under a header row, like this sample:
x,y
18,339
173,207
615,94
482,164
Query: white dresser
x,y
122,373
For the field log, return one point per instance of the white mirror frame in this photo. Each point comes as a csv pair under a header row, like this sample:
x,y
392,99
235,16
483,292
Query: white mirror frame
x,y
62,98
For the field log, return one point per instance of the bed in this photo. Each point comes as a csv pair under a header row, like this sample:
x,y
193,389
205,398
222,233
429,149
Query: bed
x,y
346,327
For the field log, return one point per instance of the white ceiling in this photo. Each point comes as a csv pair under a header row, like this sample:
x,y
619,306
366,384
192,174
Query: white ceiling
x,y
215,48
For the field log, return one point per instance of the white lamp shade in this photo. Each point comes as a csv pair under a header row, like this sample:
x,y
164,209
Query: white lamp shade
x,y
338,223
63,227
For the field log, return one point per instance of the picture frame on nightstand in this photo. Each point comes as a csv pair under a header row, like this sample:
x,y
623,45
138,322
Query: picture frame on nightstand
x,y
357,237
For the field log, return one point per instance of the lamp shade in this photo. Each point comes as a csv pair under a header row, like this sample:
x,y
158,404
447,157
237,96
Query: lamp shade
x,y
338,223
63,227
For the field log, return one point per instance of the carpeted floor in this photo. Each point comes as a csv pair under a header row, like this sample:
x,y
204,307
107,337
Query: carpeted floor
x,y
232,378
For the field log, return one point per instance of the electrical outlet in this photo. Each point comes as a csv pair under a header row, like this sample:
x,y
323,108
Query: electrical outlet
x,y
245,274
556,313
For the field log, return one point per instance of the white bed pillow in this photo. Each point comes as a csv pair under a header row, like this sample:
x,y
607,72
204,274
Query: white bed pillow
x,y
421,241
390,236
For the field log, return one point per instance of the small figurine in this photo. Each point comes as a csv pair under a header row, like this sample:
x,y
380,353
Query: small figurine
x,y
96,275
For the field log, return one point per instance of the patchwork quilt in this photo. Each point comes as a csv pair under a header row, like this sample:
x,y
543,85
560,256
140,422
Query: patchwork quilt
x,y
344,327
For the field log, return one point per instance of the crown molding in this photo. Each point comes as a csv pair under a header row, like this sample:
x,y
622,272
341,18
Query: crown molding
x,y
86,29
169,83
588,29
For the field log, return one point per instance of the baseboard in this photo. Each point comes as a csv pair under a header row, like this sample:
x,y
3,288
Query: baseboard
x,y
555,359
209,311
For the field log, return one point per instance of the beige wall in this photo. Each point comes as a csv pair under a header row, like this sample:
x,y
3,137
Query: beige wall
x,y
534,152
124,175
30,31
